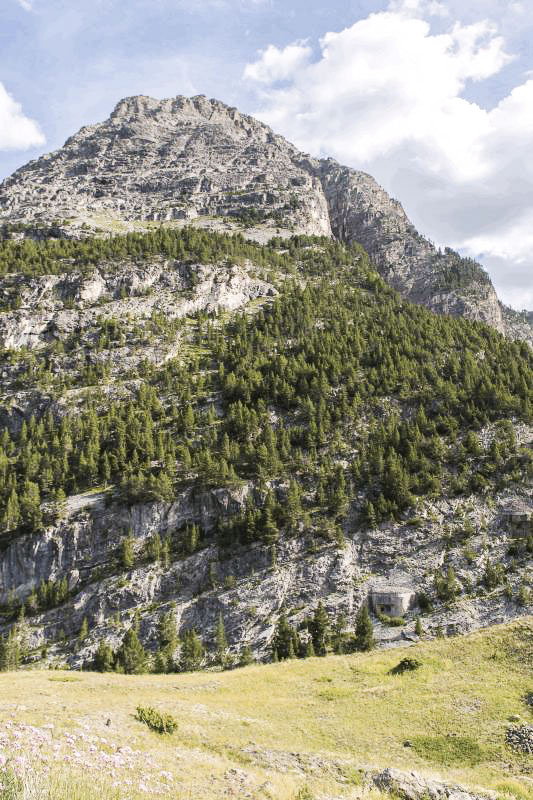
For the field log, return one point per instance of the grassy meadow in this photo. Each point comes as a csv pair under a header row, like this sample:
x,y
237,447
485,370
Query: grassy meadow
x,y
299,729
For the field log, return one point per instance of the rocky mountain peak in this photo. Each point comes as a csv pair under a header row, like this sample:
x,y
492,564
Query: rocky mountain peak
x,y
142,111
194,160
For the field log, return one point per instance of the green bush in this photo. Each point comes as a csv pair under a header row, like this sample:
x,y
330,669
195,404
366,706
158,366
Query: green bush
x,y
393,622
156,721
405,665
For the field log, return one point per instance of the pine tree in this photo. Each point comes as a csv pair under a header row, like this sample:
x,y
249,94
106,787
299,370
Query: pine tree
x,y
269,527
192,651
165,553
418,627
247,656
168,642
84,631
10,655
221,641
284,642
30,505
319,629
104,658
154,547
11,518
294,506
364,631
370,515
192,535
131,656
126,552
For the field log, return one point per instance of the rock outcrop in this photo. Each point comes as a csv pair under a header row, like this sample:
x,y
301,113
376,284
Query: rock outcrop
x,y
413,786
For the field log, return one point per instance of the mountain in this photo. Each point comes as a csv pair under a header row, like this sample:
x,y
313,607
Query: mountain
x,y
226,428
197,160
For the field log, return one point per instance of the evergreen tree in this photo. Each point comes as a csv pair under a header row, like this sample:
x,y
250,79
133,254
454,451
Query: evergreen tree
x,y
221,641
247,656
131,656
104,658
192,651
11,517
154,547
165,553
319,629
364,631
10,651
285,642
84,631
126,552
192,535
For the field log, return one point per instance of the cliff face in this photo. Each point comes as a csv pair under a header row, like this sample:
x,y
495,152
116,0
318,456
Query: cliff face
x,y
244,585
197,161
360,210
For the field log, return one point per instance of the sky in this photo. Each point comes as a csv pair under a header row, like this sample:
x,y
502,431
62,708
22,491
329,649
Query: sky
x,y
434,99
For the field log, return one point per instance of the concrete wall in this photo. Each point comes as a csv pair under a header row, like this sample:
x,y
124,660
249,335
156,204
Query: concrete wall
x,y
393,603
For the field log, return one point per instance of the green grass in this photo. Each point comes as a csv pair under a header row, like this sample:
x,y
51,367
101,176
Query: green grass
x,y
450,750
269,725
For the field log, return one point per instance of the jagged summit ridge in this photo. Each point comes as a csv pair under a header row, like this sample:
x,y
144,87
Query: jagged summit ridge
x,y
168,160
197,160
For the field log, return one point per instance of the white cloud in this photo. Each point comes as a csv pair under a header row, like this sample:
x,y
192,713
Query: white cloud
x,y
25,4
278,65
17,132
431,8
387,95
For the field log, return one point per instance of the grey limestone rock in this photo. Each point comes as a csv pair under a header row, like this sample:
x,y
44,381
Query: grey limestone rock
x,y
197,161
413,786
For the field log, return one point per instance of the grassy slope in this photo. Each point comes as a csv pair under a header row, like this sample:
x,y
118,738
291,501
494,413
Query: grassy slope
x,y
344,710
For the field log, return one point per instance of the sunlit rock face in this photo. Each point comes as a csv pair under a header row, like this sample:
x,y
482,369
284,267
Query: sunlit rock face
x,y
198,161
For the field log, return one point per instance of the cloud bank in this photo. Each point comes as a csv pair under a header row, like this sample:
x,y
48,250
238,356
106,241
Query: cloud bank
x,y
387,95
17,132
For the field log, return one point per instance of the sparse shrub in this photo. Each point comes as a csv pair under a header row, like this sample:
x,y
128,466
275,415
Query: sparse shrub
x,y
156,720
392,622
423,601
405,665
493,575
523,596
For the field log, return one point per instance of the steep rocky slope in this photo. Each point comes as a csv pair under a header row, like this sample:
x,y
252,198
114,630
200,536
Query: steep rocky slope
x,y
202,427
199,161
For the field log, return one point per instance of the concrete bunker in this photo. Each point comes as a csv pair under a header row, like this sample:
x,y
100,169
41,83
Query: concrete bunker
x,y
391,599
